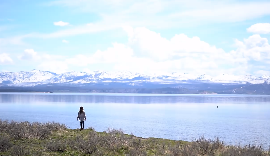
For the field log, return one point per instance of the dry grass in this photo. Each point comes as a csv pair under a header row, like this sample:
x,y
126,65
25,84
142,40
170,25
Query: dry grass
x,y
24,138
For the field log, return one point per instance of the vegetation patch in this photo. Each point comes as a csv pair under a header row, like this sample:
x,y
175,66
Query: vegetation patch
x,y
24,138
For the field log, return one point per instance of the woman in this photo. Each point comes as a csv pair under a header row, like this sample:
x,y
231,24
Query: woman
x,y
81,117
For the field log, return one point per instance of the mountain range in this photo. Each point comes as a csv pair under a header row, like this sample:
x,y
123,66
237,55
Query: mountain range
x,y
37,77
126,81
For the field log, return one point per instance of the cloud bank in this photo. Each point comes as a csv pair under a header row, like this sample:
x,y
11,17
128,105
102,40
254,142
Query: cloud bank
x,y
148,52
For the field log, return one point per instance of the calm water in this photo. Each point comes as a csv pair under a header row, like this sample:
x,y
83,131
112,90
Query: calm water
x,y
239,119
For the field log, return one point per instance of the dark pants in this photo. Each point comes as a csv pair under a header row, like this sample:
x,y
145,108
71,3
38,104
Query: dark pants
x,y
82,124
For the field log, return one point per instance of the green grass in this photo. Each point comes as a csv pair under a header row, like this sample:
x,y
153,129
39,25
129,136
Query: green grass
x,y
24,138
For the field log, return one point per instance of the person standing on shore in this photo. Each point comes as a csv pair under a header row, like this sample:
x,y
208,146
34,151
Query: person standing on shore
x,y
81,117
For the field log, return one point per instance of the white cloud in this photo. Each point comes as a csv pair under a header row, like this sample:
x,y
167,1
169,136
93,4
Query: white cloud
x,y
192,55
5,58
80,60
61,23
54,66
253,48
150,44
260,28
65,41
29,54
263,72
117,53
44,61
147,52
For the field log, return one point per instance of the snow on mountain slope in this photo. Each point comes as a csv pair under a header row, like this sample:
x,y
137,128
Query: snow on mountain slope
x,y
25,77
45,77
67,77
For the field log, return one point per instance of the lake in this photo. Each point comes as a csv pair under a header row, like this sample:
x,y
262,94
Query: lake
x,y
238,120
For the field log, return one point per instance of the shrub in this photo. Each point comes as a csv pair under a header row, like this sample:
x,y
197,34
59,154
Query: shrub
x,y
56,146
4,143
3,125
19,150
36,138
135,152
27,130
204,146
87,146
244,151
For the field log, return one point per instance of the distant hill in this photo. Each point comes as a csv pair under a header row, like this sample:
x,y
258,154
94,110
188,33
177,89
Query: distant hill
x,y
128,82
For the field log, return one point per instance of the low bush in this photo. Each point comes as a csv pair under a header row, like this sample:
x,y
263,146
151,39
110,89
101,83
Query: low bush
x,y
25,138
27,130
85,145
19,150
56,146
4,143
245,151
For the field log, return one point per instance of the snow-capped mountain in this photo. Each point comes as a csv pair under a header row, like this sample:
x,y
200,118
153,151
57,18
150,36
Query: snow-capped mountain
x,y
36,77
22,77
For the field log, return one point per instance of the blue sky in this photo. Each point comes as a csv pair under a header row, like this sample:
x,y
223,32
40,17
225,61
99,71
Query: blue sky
x,y
147,36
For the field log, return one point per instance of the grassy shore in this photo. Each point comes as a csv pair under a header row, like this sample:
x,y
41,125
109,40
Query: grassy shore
x,y
24,138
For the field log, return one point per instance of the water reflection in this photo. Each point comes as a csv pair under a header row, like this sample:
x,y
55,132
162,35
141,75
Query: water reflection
x,y
129,98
